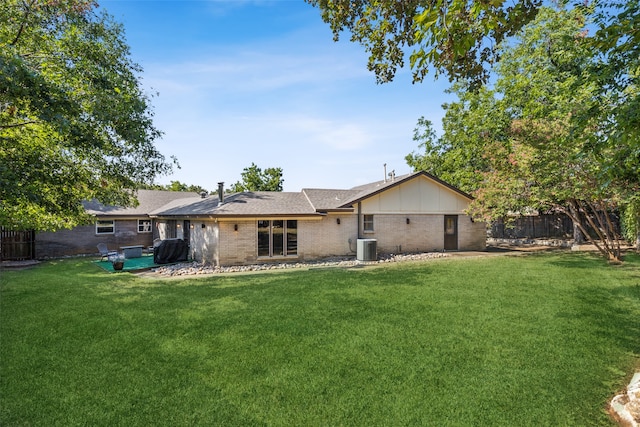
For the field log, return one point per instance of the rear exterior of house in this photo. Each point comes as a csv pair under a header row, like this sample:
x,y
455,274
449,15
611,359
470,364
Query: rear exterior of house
x,y
414,213
419,214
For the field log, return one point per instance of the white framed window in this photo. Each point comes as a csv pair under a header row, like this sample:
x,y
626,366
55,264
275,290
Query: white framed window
x,y
367,223
105,226
144,226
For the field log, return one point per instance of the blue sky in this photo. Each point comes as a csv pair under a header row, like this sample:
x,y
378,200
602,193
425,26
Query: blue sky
x,y
263,82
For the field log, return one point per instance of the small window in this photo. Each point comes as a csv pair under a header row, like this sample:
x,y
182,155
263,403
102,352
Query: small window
x,y
144,226
105,227
367,223
450,225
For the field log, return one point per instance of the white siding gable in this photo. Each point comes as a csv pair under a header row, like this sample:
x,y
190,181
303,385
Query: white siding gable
x,y
420,195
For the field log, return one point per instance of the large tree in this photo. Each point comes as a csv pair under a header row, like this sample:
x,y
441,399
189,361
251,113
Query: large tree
x,y
255,179
542,136
75,123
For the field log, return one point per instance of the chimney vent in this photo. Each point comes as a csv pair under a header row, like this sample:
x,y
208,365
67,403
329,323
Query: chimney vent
x,y
220,193
203,194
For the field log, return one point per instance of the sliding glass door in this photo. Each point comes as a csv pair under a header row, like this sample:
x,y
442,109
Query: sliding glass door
x,y
277,238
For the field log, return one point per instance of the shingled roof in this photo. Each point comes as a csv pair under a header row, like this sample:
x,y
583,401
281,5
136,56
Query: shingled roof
x,y
329,200
368,190
148,200
308,202
250,203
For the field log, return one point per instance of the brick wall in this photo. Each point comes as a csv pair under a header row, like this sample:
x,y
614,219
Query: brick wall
x,y
238,247
318,239
423,233
220,244
472,236
83,240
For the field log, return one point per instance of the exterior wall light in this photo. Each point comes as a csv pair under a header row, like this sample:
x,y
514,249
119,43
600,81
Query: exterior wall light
x,y
408,220
235,227
338,221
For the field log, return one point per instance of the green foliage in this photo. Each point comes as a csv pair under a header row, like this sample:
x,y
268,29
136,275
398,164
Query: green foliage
x,y
616,70
255,179
630,219
74,122
456,37
499,341
462,38
542,138
469,126
176,186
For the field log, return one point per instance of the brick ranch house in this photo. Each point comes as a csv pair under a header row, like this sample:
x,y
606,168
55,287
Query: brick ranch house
x,y
412,213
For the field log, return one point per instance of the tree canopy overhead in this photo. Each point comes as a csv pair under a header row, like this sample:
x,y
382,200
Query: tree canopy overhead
x,y
461,38
456,37
75,123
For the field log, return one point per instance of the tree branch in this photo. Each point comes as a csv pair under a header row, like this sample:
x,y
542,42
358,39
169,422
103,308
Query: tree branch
x,y
27,10
578,223
15,125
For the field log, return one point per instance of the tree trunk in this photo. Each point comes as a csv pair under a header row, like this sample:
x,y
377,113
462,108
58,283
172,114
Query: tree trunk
x,y
598,219
578,237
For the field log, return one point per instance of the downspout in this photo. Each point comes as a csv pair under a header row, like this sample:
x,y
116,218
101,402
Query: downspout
x,y
359,218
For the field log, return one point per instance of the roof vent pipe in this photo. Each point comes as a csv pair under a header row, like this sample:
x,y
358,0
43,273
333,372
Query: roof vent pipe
x,y
203,194
385,172
220,193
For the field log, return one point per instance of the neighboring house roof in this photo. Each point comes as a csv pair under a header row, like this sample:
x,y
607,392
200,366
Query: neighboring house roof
x,y
308,202
148,201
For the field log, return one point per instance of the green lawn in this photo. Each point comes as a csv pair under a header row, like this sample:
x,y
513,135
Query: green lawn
x,y
538,340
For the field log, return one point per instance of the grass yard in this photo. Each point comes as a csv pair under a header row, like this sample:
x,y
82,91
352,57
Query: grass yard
x,y
536,340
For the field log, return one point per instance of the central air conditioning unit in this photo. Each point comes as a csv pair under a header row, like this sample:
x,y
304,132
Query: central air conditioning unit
x,y
367,250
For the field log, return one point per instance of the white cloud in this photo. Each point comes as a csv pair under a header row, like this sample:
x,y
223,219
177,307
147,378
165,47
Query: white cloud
x,y
329,133
291,99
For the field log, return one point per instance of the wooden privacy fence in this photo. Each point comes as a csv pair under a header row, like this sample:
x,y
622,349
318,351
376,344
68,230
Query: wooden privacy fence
x,y
17,245
546,226
534,227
